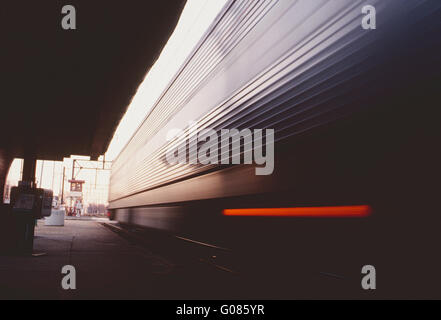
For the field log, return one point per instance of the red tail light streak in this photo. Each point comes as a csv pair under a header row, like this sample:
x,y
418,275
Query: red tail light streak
x,y
332,212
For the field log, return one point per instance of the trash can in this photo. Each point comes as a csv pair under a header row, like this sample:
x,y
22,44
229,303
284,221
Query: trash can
x,y
55,219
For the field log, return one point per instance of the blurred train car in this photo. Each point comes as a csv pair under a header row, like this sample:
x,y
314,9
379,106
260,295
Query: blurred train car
x,y
356,120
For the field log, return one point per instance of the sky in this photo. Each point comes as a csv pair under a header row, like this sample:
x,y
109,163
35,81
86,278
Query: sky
x,y
195,19
49,175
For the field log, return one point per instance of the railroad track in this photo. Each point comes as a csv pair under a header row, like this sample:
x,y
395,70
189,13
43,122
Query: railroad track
x,y
180,250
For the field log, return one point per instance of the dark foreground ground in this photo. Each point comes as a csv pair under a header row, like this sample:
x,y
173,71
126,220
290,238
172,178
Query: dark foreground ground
x,y
121,262
107,267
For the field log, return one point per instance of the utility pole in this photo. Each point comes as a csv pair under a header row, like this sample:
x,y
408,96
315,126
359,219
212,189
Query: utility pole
x,y
62,185
73,169
53,175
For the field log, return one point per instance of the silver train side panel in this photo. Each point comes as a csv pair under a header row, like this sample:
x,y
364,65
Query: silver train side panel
x,y
263,64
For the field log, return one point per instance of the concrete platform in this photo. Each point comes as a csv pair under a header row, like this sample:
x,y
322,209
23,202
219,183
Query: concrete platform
x,y
107,267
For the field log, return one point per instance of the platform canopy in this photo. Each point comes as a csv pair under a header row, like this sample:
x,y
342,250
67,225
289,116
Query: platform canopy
x,y
64,92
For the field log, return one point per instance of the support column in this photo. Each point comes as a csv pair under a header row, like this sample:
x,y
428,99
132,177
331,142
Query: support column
x,y
29,167
5,163
25,220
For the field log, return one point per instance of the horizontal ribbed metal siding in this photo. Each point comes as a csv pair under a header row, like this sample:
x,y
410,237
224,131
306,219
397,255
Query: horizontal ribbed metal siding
x,y
302,55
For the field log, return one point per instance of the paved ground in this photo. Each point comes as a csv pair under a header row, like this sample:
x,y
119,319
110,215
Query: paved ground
x,y
111,265
107,267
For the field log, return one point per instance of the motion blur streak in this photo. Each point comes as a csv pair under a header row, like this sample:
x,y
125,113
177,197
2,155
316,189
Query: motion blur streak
x,y
339,211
